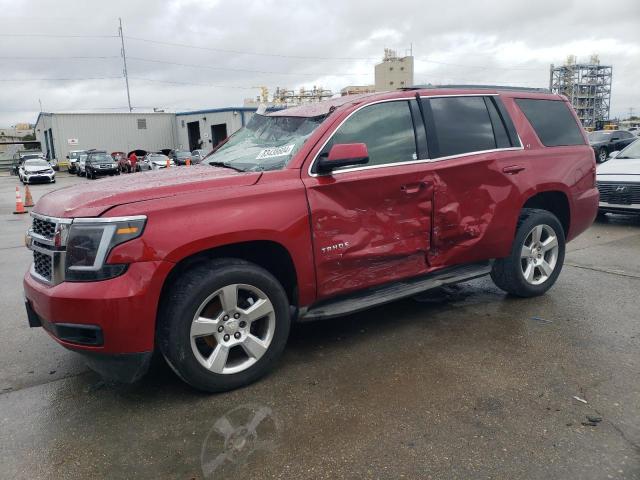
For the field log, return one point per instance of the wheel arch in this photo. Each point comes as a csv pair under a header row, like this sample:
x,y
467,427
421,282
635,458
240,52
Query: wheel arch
x,y
268,254
553,201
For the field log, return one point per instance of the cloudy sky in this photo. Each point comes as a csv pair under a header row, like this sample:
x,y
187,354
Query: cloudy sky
x,y
194,54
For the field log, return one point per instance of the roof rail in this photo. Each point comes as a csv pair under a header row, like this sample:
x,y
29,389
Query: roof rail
x,y
482,87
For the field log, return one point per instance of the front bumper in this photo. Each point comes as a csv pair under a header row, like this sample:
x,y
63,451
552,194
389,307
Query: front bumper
x,y
105,171
605,207
39,178
124,309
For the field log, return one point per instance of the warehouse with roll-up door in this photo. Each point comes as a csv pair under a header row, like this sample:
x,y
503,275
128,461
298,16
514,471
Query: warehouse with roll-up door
x,y
206,128
58,133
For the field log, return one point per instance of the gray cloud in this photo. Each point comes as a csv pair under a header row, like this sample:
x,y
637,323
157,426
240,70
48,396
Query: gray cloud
x,y
455,42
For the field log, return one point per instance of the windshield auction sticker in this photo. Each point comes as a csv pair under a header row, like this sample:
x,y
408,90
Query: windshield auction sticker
x,y
275,152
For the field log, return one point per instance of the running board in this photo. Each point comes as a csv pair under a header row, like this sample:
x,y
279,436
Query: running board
x,y
373,297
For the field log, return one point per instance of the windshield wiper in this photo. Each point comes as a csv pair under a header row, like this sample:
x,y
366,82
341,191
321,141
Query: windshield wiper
x,y
225,165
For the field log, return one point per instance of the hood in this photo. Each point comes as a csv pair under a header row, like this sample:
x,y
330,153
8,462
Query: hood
x,y
599,143
92,198
622,166
33,168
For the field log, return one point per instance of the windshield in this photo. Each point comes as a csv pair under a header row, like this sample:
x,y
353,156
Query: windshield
x,y
74,155
27,157
183,154
101,157
36,163
632,151
599,136
158,158
266,143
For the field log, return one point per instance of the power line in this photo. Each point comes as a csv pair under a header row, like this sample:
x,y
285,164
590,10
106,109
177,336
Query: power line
x,y
170,82
80,57
261,54
309,57
56,79
211,67
241,52
55,35
484,67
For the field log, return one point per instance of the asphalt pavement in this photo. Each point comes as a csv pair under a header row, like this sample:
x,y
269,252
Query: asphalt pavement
x,y
463,382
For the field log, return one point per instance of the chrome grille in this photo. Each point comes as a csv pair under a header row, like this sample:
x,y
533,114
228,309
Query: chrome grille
x,y
44,228
621,193
42,264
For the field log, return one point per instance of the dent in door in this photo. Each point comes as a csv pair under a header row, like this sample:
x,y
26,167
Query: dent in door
x,y
466,224
369,237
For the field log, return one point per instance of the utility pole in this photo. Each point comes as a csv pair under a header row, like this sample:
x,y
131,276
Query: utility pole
x,y
40,102
124,61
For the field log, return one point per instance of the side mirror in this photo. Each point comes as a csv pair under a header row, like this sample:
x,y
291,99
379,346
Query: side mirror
x,y
342,155
614,139
614,154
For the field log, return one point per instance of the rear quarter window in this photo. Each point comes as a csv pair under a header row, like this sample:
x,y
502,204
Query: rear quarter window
x,y
552,121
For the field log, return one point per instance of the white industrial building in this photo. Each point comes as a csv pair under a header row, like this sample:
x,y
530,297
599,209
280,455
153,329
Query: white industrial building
x,y
58,133
206,128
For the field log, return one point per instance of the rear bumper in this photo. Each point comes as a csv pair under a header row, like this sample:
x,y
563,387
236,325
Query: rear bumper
x,y
119,314
584,212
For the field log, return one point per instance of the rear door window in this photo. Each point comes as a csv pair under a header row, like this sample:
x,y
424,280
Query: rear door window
x,y
552,121
459,125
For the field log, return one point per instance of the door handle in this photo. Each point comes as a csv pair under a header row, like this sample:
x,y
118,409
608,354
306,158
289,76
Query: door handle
x,y
513,169
411,188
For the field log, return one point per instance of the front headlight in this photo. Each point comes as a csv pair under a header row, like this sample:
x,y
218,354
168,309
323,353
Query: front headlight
x,y
89,242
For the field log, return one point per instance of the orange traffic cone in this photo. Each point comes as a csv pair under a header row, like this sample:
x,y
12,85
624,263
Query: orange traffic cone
x,y
188,162
168,162
19,204
28,200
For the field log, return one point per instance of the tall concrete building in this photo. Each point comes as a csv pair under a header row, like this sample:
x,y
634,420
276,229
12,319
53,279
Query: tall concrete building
x,y
394,72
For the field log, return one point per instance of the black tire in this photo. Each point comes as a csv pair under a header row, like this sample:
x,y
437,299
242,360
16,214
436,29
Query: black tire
x,y
507,272
181,302
602,155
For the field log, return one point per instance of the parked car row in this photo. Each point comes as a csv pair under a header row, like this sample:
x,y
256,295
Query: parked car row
x,y
604,142
137,160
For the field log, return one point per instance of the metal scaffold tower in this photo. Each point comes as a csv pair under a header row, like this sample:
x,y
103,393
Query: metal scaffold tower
x,y
587,86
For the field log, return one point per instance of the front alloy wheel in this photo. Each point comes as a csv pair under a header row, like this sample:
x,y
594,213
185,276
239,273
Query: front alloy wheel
x,y
223,324
232,329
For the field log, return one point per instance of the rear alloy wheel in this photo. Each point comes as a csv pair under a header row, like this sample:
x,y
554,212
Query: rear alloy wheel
x,y
536,258
602,155
223,324
539,254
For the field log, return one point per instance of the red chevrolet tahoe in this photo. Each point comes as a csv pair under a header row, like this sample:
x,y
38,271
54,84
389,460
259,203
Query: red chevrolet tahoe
x,y
307,213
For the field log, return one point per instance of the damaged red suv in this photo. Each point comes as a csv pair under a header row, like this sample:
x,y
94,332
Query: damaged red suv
x,y
308,213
